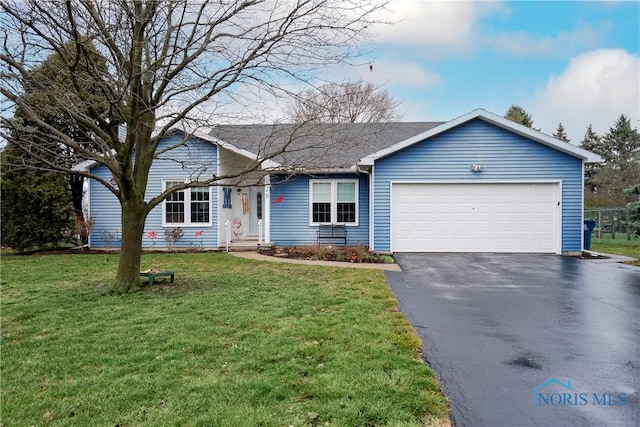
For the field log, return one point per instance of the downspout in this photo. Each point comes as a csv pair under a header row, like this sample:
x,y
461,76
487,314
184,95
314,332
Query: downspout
x,y
87,212
359,170
582,210
266,200
218,209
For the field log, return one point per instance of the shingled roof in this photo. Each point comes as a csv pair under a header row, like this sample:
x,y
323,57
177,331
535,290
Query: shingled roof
x,y
316,146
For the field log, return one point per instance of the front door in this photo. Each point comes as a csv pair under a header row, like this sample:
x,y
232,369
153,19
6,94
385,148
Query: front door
x,y
256,209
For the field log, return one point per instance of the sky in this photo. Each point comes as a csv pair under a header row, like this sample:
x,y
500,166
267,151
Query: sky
x,y
575,62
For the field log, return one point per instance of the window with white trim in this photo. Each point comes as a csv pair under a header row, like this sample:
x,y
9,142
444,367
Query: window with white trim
x,y
333,201
191,206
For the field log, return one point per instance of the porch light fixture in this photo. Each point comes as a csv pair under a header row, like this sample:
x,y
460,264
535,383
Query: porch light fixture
x,y
476,168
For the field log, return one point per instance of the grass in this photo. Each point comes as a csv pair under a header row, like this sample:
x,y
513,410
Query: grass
x,y
618,246
232,343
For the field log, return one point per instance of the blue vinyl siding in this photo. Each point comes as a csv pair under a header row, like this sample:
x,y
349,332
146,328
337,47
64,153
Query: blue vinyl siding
x,y
290,217
105,208
504,156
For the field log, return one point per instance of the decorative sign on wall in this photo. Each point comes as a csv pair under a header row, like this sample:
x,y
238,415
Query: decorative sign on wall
x,y
226,203
245,203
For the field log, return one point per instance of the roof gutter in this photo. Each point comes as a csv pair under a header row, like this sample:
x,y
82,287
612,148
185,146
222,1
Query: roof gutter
x,y
317,171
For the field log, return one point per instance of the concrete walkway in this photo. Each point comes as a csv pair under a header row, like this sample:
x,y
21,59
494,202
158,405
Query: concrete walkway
x,y
610,257
386,267
259,257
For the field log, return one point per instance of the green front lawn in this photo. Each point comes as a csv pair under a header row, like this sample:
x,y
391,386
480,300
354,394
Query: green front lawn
x,y
621,245
232,343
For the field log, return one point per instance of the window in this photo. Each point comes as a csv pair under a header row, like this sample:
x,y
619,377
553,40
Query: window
x,y
200,205
174,205
334,201
321,210
259,204
346,208
191,206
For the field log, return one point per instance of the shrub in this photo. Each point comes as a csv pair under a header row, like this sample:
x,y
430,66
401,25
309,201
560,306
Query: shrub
x,y
172,236
36,209
633,210
354,254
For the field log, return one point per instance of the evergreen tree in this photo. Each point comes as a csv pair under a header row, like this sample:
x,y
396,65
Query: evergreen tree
x,y
517,114
36,207
621,145
561,134
593,143
633,209
620,150
55,72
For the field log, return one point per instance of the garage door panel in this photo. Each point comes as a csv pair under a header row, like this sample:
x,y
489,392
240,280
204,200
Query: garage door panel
x,y
509,217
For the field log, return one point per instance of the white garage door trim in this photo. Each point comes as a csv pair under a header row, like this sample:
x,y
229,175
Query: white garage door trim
x,y
458,240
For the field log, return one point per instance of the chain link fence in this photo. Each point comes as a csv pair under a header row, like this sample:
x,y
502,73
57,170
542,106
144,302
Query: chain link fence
x,y
610,223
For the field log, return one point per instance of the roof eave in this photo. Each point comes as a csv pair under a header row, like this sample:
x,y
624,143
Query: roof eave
x,y
540,137
266,164
496,120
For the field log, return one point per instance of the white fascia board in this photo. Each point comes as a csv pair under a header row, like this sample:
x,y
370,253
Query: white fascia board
x,y
496,120
84,166
266,164
316,171
538,136
87,165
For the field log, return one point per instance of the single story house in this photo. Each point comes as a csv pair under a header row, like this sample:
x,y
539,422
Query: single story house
x,y
477,183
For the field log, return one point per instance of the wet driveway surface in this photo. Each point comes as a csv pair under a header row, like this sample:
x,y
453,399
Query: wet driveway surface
x,y
520,340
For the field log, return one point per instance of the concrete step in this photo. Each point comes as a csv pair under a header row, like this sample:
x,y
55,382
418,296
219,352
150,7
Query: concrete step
x,y
246,245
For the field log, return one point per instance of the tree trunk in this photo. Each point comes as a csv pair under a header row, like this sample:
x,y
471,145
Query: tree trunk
x,y
133,220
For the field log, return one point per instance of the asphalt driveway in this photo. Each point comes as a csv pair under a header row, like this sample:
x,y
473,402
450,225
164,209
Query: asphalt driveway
x,y
521,340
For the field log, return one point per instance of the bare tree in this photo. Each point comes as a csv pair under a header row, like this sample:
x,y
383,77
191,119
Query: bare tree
x,y
167,62
349,102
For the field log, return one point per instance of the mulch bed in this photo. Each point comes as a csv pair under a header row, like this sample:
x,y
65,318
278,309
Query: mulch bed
x,y
353,254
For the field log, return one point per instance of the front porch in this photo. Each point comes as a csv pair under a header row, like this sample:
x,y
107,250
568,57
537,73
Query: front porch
x,y
243,204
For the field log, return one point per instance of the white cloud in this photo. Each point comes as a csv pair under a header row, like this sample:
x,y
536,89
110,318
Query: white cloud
x,y
440,29
435,27
522,43
429,23
595,88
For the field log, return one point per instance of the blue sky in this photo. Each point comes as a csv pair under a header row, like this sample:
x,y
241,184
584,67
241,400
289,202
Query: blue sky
x,y
574,62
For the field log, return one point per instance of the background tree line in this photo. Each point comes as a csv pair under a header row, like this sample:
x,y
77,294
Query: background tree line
x,y
608,184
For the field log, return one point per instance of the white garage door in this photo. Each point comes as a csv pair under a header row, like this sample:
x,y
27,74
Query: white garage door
x,y
514,217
